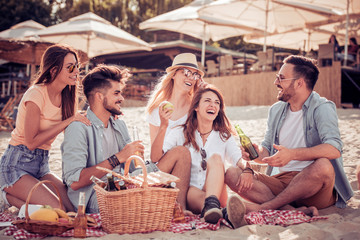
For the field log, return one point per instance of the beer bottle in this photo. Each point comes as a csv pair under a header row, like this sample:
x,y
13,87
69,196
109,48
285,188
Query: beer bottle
x,y
97,181
136,138
122,185
171,185
246,143
110,186
179,216
80,222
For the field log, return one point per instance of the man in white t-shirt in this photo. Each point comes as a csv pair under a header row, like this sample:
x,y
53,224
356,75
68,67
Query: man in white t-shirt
x,y
303,142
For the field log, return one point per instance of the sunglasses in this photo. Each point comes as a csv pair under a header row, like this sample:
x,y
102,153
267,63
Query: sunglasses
x,y
203,157
71,67
278,78
196,76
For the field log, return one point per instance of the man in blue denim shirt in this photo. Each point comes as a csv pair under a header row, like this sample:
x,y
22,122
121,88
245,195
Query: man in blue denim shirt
x,y
303,141
86,147
106,143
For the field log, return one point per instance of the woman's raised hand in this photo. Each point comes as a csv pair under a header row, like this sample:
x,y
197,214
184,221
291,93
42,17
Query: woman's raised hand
x,y
81,117
165,113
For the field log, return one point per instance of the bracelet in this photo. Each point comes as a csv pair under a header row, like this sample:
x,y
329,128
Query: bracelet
x,y
248,170
111,163
114,161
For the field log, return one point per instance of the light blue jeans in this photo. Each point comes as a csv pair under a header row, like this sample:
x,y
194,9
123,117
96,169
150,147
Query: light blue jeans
x,y
18,161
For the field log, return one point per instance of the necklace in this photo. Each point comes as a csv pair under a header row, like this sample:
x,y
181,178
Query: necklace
x,y
203,134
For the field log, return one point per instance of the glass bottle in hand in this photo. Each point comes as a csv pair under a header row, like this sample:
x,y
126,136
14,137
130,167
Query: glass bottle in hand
x,y
246,143
138,153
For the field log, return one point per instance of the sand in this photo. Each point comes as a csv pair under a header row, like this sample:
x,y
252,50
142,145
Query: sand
x,y
341,223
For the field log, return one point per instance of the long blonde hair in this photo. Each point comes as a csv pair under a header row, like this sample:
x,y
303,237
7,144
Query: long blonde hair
x,y
163,90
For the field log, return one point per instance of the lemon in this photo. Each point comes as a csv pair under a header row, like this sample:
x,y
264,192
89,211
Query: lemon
x,y
45,214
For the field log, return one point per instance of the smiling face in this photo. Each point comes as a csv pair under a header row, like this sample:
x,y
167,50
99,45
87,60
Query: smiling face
x,y
184,78
66,76
113,98
285,83
209,106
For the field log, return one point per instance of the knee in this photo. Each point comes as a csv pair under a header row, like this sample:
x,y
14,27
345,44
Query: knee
x,y
215,161
231,175
182,153
324,169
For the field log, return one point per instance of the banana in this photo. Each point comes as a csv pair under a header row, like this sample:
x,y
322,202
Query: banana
x,y
61,213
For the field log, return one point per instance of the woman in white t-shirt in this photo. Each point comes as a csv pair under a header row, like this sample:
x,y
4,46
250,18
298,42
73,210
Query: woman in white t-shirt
x,y
207,134
178,87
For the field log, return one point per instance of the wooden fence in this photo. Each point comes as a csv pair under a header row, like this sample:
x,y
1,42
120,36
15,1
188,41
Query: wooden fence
x,y
259,88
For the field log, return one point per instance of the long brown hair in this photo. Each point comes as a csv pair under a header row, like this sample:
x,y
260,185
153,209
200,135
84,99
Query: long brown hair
x,y
54,57
221,122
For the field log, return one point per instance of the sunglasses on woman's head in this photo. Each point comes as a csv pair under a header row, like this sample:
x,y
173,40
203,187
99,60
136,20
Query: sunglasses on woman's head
x,y
71,67
203,161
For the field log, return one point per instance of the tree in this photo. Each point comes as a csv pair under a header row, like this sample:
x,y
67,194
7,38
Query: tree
x,y
13,12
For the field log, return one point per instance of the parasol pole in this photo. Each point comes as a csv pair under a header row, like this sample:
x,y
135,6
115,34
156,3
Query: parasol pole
x,y
87,53
203,46
346,33
266,24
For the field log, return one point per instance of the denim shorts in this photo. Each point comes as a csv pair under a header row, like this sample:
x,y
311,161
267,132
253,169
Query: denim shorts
x,y
18,161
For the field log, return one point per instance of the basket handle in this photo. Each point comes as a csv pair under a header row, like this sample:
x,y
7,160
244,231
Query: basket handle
x,y
31,192
127,166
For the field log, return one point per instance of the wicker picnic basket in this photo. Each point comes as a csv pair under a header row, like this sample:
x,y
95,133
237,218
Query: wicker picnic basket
x,y
42,227
137,210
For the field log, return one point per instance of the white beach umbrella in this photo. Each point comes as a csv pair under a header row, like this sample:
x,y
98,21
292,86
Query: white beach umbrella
x,y
305,39
349,9
270,16
21,30
93,35
15,46
186,20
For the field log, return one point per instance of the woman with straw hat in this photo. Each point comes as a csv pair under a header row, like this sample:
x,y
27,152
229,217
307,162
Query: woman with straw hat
x,y
177,87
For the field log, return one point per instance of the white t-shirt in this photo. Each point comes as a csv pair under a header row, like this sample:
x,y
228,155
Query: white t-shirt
x,y
228,150
292,136
154,119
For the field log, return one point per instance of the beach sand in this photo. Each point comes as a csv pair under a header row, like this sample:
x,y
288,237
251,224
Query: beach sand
x,y
341,223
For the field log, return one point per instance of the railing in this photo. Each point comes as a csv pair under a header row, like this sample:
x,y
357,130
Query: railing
x,y
12,85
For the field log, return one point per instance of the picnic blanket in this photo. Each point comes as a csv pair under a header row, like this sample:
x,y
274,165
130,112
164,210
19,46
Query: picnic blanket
x,y
269,217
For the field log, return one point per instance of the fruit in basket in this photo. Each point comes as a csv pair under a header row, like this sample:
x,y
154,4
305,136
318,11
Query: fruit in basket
x,y
45,213
61,213
64,220
167,105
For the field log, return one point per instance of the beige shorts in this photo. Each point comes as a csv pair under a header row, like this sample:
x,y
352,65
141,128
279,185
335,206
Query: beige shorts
x,y
324,198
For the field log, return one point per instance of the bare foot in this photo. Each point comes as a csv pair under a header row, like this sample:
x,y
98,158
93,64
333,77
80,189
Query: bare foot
x,y
188,213
310,211
252,207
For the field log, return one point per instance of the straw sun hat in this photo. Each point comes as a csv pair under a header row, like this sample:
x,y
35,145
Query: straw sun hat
x,y
187,60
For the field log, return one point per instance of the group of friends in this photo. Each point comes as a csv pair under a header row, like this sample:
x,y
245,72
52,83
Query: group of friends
x,y
302,144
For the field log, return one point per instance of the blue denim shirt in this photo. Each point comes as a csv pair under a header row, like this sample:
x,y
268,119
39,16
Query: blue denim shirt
x,y
82,148
320,124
